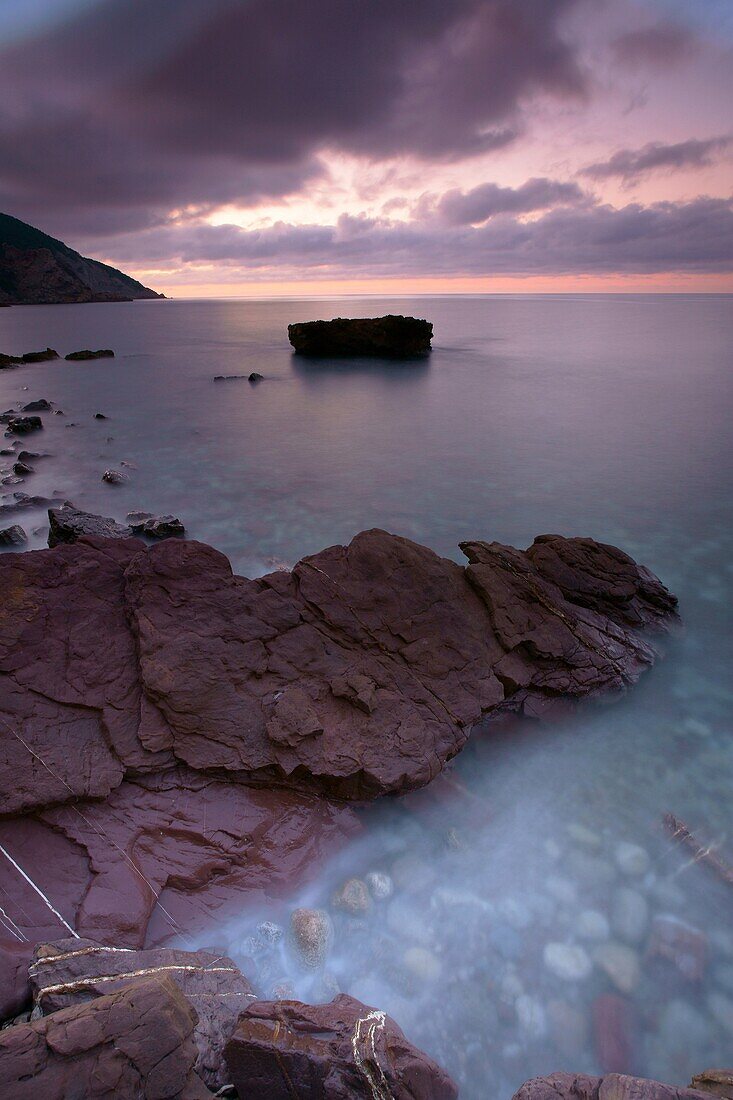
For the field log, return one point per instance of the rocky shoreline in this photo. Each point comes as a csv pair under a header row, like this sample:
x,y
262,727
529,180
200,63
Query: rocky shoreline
x,y
151,693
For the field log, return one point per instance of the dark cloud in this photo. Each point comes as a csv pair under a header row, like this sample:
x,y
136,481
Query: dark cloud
x,y
629,164
695,236
488,199
134,108
659,46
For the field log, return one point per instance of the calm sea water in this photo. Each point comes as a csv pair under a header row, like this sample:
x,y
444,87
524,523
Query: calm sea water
x,y
522,934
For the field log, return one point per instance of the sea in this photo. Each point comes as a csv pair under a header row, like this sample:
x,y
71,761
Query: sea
x,y
537,915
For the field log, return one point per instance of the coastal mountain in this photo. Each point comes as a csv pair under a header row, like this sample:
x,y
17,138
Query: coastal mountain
x,y
36,269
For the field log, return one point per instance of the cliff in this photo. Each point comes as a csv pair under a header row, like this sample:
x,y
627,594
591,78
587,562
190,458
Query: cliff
x,y
36,269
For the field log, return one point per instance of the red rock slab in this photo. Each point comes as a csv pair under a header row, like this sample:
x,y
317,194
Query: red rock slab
x,y
137,1042
184,849
283,1049
72,715
363,670
72,971
614,1086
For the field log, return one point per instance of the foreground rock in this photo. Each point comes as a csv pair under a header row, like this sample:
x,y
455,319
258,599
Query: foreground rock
x,y
154,684
73,971
81,356
614,1086
284,1049
136,1042
390,337
302,678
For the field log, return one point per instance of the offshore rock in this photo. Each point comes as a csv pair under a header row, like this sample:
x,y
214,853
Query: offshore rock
x,y
136,1042
73,971
81,356
69,524
614,1086
22,425
39,356
390,337
283,1049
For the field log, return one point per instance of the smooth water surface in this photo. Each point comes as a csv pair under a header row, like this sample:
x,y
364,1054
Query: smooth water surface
x,y
522,934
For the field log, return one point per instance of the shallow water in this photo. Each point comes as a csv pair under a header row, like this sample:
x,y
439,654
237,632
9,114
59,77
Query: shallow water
x,y
593,415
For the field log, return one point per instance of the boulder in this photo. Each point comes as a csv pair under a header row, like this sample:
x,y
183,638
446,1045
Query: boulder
x,y
155,527
136,1042
80,356
717,1081
22,469
283,1049
39,356
13,536
42,405
72,971
255,377
390,337
69,524
22,425
115,477
9,360
614,1086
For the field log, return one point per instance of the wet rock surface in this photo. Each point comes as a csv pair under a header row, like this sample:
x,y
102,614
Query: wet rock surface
x,y
390,337
70,524
13,536
70,972
282,1049
569,1086
136,1042
270,679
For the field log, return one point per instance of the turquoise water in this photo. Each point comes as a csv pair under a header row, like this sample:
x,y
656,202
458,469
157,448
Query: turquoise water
x,y
606,416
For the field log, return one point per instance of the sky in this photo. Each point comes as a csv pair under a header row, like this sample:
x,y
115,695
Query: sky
x,y
250,147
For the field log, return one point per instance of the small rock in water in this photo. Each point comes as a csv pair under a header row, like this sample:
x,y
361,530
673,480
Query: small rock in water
x,y
631,859
40,356
612,1031
380,885
592,925
156,527
620,963
115,477
567,961
42,405
255,377
22,469
22,425
629,914
353,897
13,536
78,356
311,932
582,835
721,1008
682,944
422,963
531,1016
100,416
269,932
568,1028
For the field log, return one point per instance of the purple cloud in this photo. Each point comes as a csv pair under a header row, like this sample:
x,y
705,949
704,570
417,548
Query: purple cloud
x,y
658,46
147,107
629,164
488,199
695,236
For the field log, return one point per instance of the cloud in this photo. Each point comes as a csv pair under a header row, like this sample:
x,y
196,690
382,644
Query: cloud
x,y
695,236
488,199
659,46
630,164
144,107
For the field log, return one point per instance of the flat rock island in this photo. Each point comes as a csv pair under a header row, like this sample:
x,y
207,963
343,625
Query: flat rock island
x,y
390,337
